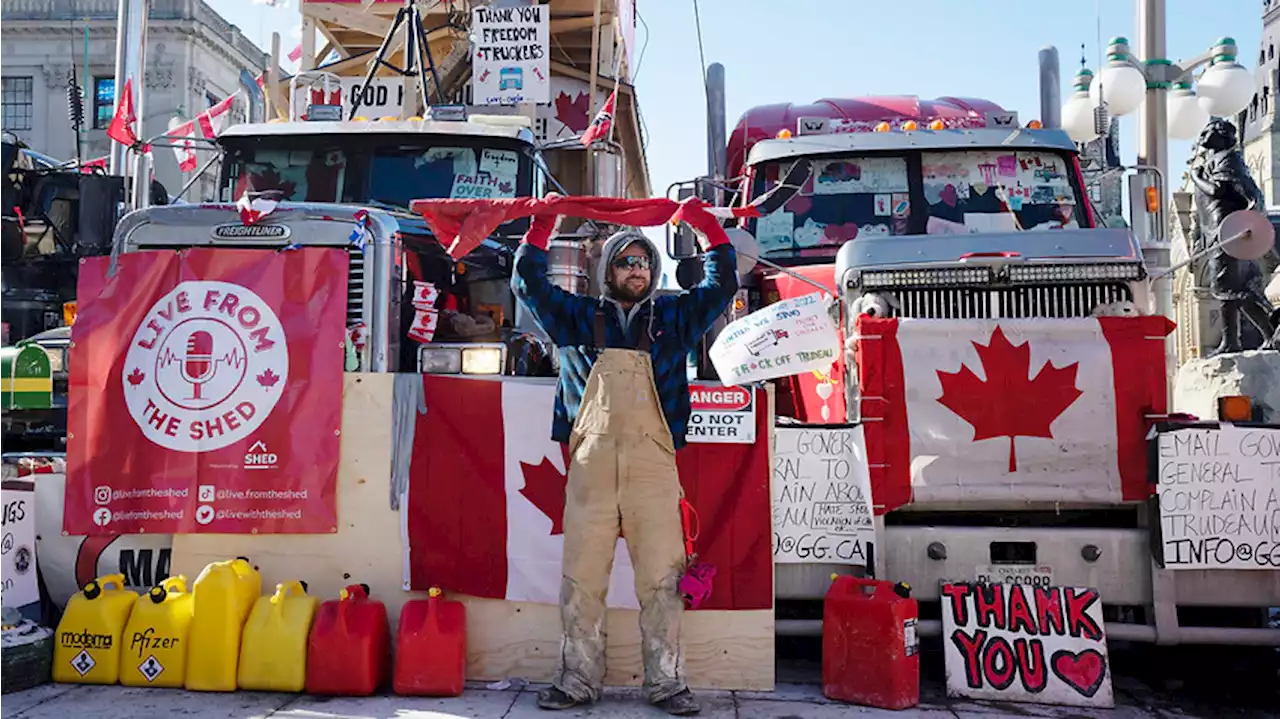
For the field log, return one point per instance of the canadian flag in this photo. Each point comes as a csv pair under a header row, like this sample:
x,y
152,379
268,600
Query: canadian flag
x,y
181,135
121,127
603,122
213,120
486,501
1048,410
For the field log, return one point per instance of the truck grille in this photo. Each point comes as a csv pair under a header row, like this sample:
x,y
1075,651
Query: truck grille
x,y
355,287
1053,300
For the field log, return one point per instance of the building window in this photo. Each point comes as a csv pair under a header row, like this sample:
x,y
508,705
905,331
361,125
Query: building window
x,y
15,101
104,101
211,99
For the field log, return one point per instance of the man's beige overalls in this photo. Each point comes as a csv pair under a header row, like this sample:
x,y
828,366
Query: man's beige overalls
x,y
622,472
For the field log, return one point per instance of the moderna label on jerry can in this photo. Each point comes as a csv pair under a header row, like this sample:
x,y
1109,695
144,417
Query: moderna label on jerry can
x,y
91,632
224,594
431,647
349,653
273,654
155,651
870,652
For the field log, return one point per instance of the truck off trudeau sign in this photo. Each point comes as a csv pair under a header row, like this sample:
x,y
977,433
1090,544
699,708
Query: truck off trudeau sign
x,y
721,415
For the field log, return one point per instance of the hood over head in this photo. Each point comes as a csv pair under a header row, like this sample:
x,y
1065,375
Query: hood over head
x,y
618,242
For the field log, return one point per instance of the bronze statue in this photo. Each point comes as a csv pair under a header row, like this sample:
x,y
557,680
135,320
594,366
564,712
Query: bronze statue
x,y
1223,186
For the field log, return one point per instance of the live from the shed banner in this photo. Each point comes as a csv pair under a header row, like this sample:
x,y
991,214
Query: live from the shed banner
x,y
1011,642
1219,494
207,392
822,509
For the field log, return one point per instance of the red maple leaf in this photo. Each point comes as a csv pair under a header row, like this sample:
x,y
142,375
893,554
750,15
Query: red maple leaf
x,y
544,487
136,377
1008,404
572,111
268,378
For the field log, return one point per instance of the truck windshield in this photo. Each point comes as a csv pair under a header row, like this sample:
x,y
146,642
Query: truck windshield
x,y
371,169
947,192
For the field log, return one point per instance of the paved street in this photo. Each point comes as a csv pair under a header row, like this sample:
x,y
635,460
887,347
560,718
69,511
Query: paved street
x,y
1200,683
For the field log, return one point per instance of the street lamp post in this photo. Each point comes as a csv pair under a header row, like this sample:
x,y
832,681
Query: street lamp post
x,y
1171,102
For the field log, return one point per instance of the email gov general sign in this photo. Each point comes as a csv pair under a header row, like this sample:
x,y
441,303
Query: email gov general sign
x,y
206,393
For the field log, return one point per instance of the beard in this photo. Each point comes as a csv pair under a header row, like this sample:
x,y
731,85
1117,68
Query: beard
x,y
626,293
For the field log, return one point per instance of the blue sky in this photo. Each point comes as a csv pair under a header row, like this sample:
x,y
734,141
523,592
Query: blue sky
x,y
812,49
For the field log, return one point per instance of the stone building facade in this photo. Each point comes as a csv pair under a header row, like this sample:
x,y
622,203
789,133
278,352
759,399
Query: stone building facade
x,y
194,60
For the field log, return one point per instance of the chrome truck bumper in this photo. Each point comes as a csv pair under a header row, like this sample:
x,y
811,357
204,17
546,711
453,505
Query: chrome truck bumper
x,y
1121,569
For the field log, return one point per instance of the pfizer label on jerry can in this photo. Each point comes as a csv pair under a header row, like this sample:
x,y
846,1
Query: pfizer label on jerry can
x,y
783,339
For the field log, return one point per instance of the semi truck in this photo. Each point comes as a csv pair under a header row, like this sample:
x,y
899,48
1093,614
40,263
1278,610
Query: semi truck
x,y
953,210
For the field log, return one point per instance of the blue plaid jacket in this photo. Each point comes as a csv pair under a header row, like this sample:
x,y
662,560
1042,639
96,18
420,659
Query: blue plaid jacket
x,y
676,323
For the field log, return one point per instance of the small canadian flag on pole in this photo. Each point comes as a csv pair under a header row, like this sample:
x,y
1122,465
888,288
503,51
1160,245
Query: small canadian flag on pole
x,y
121,127
602,123
182,147
213,120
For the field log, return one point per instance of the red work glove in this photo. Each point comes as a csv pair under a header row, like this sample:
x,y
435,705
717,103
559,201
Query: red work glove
x,y
707,228
543,226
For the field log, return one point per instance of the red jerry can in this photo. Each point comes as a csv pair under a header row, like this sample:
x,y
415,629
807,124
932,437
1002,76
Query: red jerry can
x,y
431,647
349,651
870,652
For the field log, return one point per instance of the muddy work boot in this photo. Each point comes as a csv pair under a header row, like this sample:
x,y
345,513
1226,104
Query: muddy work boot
x,y
681,704
554,699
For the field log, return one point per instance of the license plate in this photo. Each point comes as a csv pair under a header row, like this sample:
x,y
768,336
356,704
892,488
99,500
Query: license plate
x,y
1037,575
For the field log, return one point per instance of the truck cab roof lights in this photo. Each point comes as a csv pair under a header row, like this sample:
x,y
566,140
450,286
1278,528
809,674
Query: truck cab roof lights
x,y
1035,125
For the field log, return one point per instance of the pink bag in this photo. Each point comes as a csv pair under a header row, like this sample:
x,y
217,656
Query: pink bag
x,y
695,585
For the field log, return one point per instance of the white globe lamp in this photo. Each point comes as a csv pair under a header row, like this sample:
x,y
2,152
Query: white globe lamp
x,y
1186,115
1226,87
1077,111
1120,84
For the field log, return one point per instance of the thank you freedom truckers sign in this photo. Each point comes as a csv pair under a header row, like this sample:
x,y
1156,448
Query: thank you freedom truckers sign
x,y
206,395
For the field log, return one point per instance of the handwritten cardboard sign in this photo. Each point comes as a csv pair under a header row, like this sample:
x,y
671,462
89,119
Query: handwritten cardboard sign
x,y
1219,495
1010,642
821,497
19,547
782,339
511,62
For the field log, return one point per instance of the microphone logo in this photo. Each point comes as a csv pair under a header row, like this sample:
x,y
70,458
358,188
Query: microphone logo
x,y
198,366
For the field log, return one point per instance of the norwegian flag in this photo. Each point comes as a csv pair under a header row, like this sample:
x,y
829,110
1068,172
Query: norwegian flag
x,y
602,123
121,127
181,135
213,120
1055,410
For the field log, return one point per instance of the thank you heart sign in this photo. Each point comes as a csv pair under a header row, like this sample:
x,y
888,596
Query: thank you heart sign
x,y
1013,642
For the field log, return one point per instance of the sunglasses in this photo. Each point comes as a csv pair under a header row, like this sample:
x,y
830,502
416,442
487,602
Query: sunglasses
x,y
632,262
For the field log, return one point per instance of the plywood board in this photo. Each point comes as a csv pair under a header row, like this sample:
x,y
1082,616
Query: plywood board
x,y
723,650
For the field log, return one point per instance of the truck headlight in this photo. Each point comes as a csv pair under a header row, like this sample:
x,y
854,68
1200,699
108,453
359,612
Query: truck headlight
x,y
482,360
439,360
1074,273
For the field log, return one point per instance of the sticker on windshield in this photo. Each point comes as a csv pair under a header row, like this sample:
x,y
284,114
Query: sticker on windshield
x,y
482,186
861,175
463,158
500,163
773,231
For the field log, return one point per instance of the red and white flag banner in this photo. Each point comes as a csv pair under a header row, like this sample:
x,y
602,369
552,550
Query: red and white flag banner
x,y
1058,408
214,120
183,148
122,128
486,501
207,393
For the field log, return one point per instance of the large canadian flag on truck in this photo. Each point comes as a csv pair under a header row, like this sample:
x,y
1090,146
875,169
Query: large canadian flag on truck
x,y
1042,410
486,497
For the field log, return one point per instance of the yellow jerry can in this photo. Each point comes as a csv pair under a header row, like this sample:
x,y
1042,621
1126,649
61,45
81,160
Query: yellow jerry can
x,y
157,636
273,656
91,631
223,595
